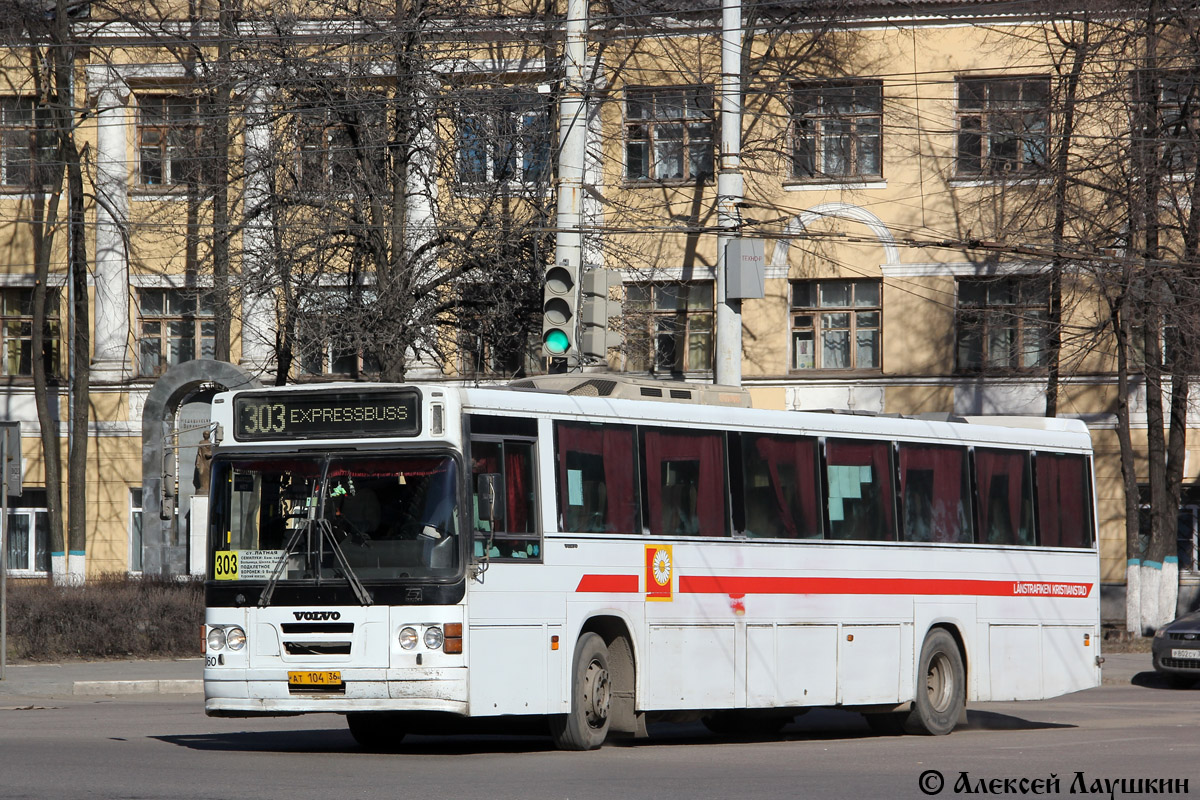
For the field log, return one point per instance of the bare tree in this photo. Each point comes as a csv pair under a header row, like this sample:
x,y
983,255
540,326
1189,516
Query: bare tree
x,y
45,35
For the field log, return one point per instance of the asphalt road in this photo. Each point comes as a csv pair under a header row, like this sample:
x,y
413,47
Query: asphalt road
x,y
162,746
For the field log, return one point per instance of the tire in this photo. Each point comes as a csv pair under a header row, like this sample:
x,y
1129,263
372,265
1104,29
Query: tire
x,y
586,727
746,723
378,732
941,686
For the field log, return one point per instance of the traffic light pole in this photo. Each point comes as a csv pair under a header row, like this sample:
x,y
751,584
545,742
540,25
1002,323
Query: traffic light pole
x,y
728,362
560,326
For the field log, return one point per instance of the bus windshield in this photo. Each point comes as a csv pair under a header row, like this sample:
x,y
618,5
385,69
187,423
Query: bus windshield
x,y
286,517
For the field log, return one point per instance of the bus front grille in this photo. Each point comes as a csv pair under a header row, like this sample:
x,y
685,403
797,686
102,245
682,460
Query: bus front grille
x,y
317,648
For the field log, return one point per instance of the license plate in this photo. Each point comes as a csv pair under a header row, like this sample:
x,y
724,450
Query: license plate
x,y
320,678
1191,655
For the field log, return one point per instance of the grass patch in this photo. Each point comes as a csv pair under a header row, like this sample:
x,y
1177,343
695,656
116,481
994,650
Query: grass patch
x,y
112,617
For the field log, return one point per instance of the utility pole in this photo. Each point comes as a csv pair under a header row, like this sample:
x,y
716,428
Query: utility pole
x,y
728,366
560,321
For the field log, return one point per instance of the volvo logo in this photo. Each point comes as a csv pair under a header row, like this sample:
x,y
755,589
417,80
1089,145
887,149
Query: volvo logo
x,y
316,616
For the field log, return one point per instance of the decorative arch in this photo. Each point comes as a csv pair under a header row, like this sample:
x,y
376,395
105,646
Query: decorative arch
x,y
164,547
800,223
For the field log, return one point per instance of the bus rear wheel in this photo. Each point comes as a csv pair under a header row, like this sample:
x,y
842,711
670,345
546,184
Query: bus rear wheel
x,y
375,731
586,727
941,691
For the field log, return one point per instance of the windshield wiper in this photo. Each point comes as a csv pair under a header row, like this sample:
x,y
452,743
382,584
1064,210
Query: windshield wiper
x,y
315,522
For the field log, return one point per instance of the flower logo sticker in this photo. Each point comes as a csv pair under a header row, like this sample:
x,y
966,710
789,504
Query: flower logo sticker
x,y
659,571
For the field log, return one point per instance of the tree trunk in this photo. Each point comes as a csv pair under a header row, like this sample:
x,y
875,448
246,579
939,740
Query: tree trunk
x,y
80,377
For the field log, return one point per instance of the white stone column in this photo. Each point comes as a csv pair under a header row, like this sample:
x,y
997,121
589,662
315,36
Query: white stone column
x,y
422,209
111,332
258,274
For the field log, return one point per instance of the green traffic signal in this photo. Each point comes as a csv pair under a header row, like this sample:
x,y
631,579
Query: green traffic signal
x,y
556,342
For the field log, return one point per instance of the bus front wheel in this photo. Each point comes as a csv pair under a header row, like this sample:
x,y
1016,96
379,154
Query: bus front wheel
x,y
586,727
941,691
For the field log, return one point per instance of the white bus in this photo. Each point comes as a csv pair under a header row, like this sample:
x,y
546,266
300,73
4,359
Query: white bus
x,y
422,554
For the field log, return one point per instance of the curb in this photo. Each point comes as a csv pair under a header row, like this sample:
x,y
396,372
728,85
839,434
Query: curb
x,y
94,688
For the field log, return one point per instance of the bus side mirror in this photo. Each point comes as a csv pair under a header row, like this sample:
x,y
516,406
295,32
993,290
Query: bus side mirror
x,y
489,489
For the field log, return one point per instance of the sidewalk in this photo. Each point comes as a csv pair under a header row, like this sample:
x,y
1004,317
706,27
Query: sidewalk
x,y
103,678
185,676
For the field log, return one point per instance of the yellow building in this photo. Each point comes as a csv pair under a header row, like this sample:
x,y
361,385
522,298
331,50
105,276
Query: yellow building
x,y
900,172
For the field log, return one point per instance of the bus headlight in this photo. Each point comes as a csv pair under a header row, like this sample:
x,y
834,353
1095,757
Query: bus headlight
x,y
216,639
235,638
433,637
408,638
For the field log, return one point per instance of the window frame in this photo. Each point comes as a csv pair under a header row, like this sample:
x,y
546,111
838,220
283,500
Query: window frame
x,y
520,116
537,535
323,157
182,136
1177,122
653,329
314,338
32,505
136,530
819,313
819,118
653,142
983,121
36,143
202,346
990,318
24,323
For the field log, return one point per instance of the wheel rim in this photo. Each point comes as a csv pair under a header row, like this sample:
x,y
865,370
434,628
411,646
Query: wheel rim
x,y
597,695
939,683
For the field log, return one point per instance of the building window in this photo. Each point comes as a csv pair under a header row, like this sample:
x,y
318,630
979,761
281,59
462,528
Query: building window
x,y
168,135
1178,125
837,131
135,530
332,336
335,137
503,137
836,324
26,143
1002,324
670,327
669,133
1003,125
511,356
176,326
1189,539
16,326
28,534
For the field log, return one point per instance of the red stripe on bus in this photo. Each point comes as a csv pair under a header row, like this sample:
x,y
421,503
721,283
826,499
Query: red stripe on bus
x,y
608,583
716,584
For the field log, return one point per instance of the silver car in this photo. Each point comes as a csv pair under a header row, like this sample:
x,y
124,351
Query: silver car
x,y
1177,650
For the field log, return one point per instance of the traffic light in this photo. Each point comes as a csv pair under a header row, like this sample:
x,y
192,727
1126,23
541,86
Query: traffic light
x,y
597,310
559,300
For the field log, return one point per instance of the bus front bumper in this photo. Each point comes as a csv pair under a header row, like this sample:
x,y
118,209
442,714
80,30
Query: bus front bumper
x,y
266,692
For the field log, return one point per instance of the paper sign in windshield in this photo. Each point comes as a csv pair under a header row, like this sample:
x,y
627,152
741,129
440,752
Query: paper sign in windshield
x,y
244,565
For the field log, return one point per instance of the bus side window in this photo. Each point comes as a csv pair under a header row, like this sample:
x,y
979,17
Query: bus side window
x,y
510,531
684,475
596,478
858,475
1061,485
780,487
935,492
1005,496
